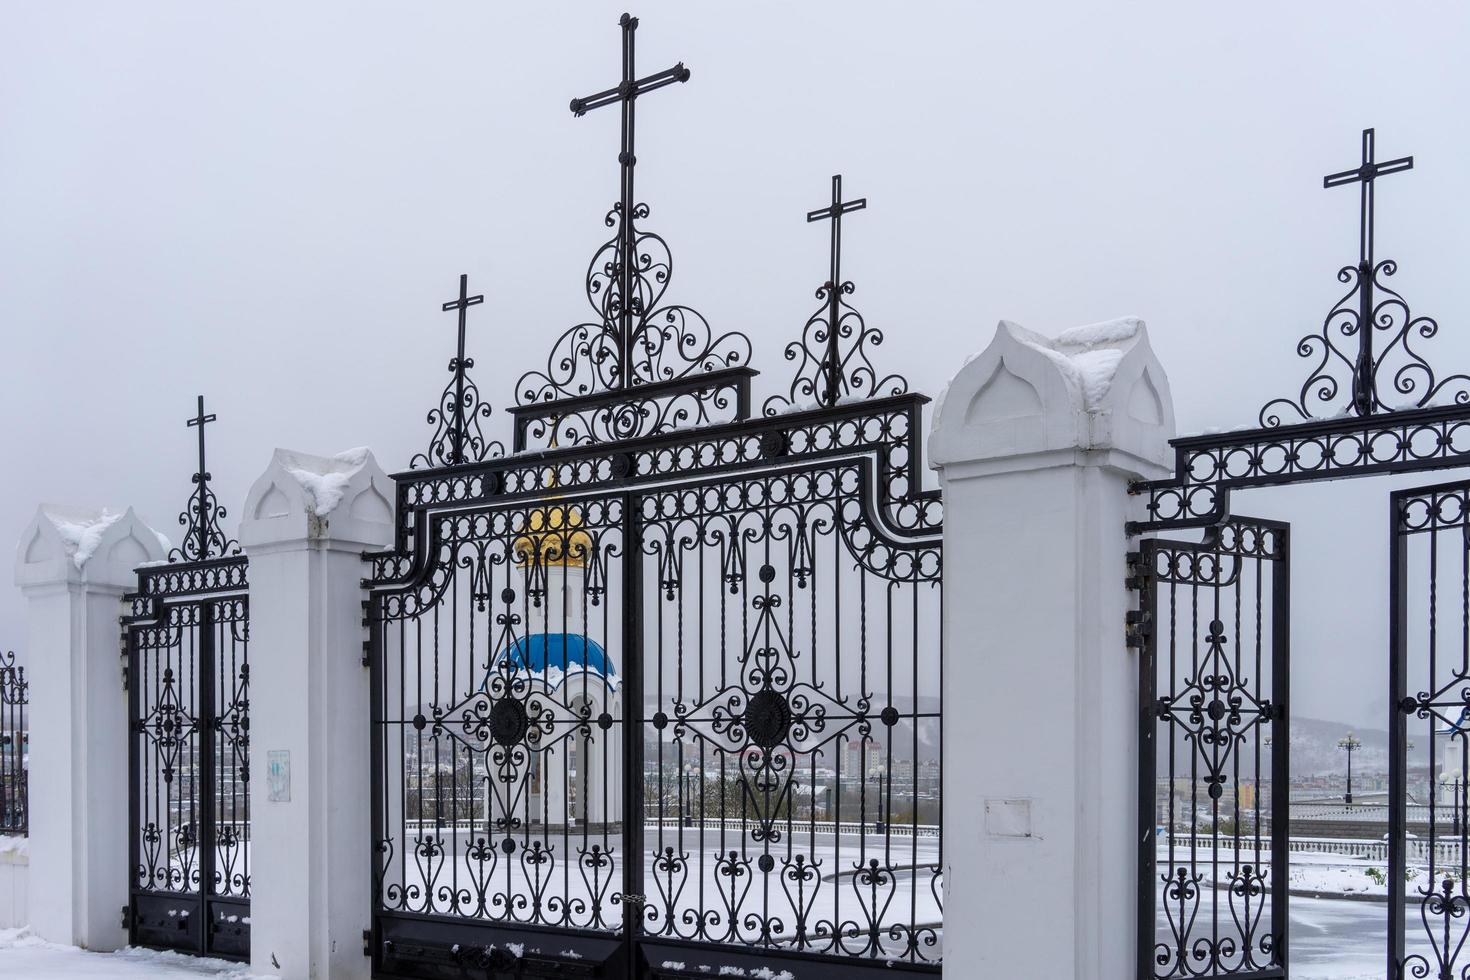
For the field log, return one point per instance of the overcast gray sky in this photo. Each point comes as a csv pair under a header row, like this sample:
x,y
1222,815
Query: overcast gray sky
x,y
267,203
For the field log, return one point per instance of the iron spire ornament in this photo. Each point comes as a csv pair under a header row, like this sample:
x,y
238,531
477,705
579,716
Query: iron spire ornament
x,y
1368,312
634,341
832,353
458,437
203,537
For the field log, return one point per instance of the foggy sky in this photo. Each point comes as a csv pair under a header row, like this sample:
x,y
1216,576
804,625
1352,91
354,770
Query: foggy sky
x,y
267,203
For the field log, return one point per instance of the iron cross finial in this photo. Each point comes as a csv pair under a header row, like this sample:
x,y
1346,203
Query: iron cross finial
x,y
201,478
203,538
831,362
460,365
458,437
626,94
1365,174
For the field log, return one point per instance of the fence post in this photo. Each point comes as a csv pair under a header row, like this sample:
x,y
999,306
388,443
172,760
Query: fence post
x,y
307,522
1036,441
73,567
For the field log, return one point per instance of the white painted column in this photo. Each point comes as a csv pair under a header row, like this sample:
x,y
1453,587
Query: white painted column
x,y
308,520
73,566
1036,441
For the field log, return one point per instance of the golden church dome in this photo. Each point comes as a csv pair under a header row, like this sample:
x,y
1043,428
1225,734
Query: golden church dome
x,y
553,535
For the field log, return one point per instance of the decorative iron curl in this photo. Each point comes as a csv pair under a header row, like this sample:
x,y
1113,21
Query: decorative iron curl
x,y
458,437
1400,378
853,376
665,342
203,537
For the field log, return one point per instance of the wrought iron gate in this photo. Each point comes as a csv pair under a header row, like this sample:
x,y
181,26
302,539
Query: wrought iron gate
x,y
1213,685
1371,405
657,694
14,748
1429,900
186,643
735,664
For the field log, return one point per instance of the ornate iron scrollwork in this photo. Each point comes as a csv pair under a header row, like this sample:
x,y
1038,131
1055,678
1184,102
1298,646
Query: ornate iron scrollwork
x,y
634,341
203,536
832,356
1348,358
458,437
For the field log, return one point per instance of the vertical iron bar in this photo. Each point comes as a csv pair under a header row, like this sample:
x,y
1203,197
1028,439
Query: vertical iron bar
x,y
1281,746
135,763
632,729
1397,730
834,285
626,161
204,785
1147,765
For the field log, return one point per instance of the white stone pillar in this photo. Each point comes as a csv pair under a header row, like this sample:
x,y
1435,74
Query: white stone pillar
x,y
307,522
73,566
1036,441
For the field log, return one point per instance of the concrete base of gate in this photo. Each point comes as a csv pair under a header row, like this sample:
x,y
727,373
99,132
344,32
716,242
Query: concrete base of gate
x,y
73,566
307,522
1036,440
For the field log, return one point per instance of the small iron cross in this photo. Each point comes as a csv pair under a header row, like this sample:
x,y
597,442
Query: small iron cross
x,y
461,364
201,477
626,93
1364,396
832,365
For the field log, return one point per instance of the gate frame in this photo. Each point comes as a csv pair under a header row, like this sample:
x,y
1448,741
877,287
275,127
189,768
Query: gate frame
x,y
199,584
866,433
1144,637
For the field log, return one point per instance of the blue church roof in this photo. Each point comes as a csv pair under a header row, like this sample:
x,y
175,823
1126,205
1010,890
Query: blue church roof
x,y
562,651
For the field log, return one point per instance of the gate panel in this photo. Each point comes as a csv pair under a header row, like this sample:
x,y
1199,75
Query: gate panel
x,y
1213,786
499,686
792,727
1429,905
188,695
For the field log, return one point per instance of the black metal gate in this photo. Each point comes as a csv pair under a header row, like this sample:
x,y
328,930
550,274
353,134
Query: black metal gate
x,y
692,718
1371,405
1429,900
14,748
186,643
658,693
1213,684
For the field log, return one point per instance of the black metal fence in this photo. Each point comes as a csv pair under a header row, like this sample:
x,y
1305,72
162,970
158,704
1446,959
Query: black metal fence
x,y
14,747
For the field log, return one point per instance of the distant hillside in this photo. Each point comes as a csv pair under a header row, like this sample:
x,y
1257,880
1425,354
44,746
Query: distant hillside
x,y
1314,750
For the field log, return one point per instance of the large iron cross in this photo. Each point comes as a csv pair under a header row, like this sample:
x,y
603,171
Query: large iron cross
x,y
201,478
1365,174
832,364
626,94
460,364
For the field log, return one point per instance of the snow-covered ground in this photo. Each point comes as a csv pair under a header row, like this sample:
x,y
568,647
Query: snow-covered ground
x,y
24,955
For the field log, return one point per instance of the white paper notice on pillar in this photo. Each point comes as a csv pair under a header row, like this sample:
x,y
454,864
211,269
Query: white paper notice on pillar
x,y
278,775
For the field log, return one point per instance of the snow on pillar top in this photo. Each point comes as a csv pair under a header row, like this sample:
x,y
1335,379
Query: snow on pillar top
x,y
1095,388
84,546
344,498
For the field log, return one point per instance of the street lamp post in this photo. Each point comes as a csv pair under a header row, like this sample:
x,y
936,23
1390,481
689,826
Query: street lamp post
x,y
1349,743
688,808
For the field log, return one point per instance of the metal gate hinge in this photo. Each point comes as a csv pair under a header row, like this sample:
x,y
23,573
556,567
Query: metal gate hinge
x,y
125,677
367,942
127,917
1139,627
